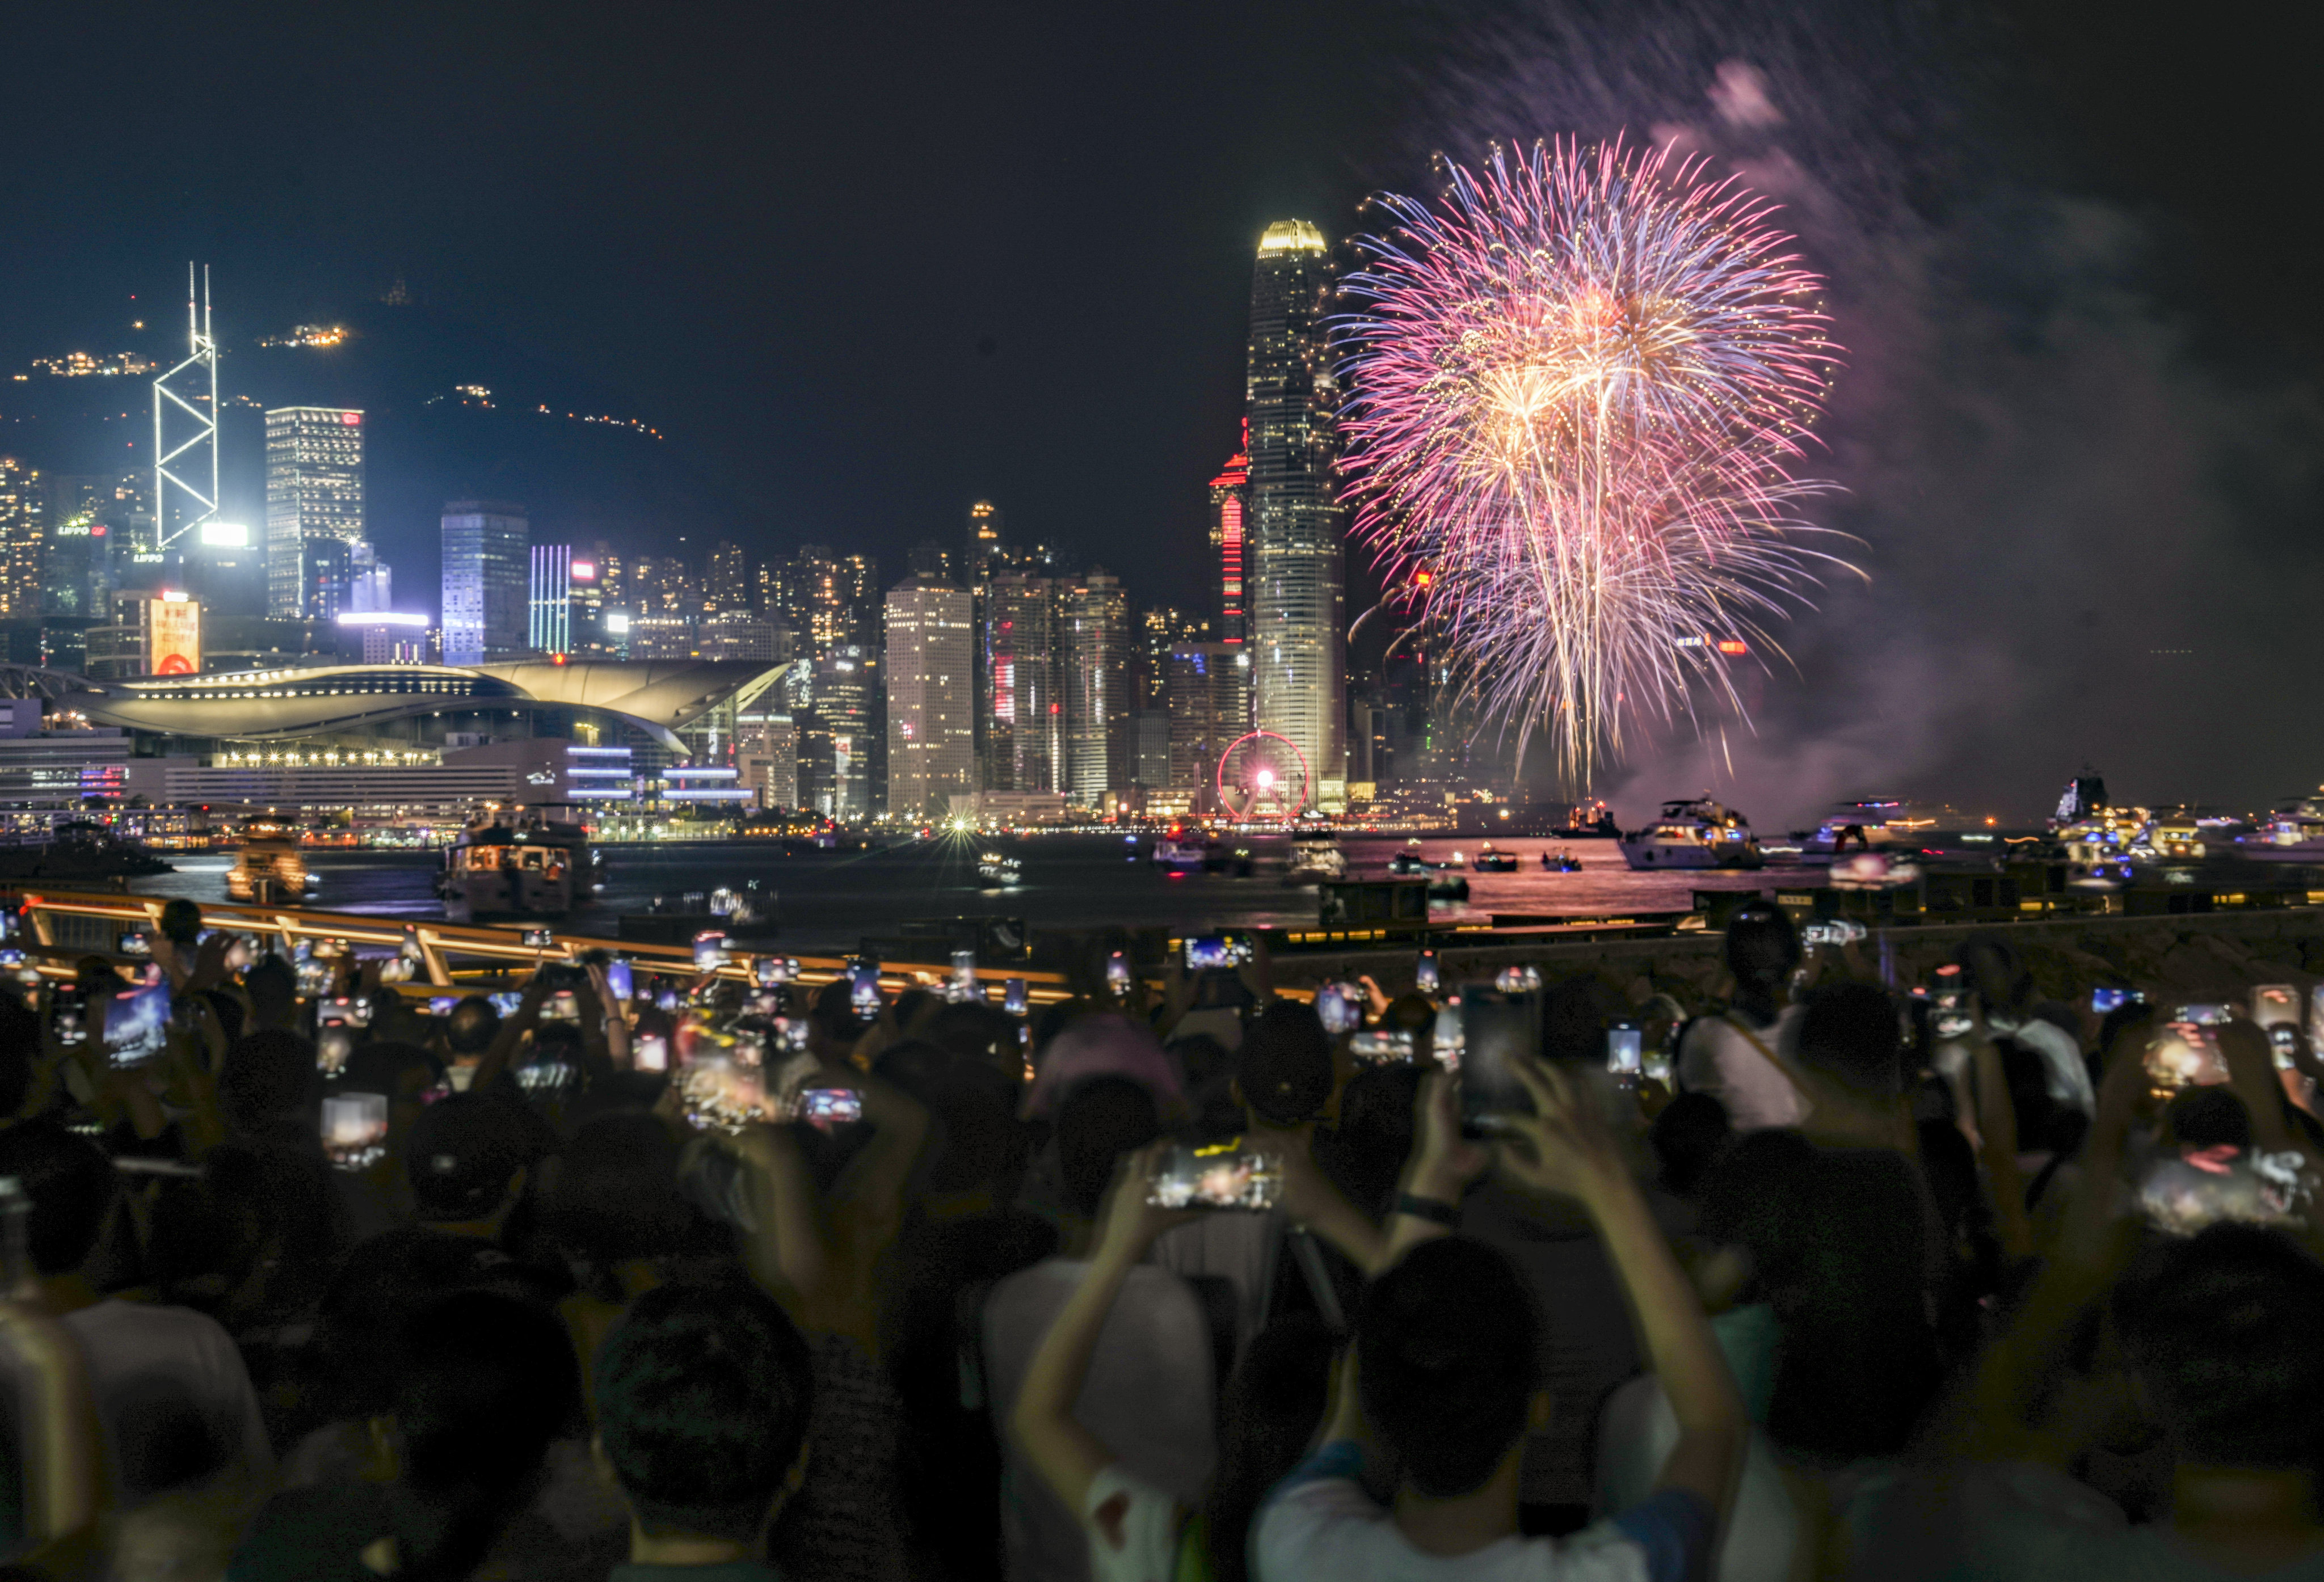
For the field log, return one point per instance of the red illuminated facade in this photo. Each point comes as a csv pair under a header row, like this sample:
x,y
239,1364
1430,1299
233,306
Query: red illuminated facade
x,y
1230,502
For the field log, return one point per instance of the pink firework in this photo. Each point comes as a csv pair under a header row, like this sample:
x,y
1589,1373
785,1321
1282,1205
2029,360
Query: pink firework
x,y
1581,382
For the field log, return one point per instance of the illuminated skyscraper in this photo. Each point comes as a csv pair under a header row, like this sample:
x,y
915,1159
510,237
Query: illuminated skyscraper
x,y
1297,584
549,625
1209,707
487,581
1097,688
839,757
931,697
1025,728
728,586
314,490
1230,518
20,540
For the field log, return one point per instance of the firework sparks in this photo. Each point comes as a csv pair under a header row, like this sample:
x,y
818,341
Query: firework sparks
x,y
1581,383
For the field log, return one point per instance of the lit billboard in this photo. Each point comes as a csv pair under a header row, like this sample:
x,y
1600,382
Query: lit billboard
x,y
173,636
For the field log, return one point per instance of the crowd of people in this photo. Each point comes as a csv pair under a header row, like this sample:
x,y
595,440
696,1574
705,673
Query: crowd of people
x,y
712,1280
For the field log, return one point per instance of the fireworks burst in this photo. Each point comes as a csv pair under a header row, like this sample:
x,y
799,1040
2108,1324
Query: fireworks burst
x,y
1581,382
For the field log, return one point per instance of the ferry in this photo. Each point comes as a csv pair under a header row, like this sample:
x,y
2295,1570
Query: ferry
x,y
1313,858
1179,854
1695,833
270,867
1490,859
539,867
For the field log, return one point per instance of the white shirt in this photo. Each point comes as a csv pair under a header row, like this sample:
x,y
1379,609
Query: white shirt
x,y
1320,1526
1146,1398
1716,1058
1134,1528
172,1397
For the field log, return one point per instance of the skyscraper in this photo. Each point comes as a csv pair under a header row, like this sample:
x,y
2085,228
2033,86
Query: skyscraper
x,y
549,625
1097,688
1024,723
839,759
20,540
1209,707
1230,518
371,580
314,489
986,531
728,586
931,697
1297,584
487,581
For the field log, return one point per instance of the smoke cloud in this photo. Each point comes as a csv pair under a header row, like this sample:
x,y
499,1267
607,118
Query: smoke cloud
x,y
2086,542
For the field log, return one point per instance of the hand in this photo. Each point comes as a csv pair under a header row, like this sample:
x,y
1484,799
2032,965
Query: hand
x,y
2251,1073
1443,1162
1376,998
1127,1223
1563,1148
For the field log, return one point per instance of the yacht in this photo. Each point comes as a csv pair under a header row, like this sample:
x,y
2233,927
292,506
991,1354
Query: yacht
x,y
1869,822
270,867
1693,833
1490,859
1182,854
538,867
2289,834
1313,858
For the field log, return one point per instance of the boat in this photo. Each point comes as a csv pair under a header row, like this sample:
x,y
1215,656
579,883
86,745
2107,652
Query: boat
x,y
1177,853
1490,859
1590,821
1694,832
1218,857
538,867
1867,823
1408,862
78,849
270,867
1560,862
998,870
1447,886
1313,858
2291,833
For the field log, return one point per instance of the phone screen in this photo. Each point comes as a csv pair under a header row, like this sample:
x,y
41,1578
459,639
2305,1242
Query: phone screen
x,y
355,1128
2275,1005
441,1005
2210,1014
709,950
1012,999
539,939
1625,1047
2185,1054
506,1002
333,1049
1424,976
864,993
1338,1010
1497,1027
1117,972
649,1051
1383,1046
1216,949
2106,1000
1223,1175
344,1011
827,1108
134,944
619,981
563,1006
136,1026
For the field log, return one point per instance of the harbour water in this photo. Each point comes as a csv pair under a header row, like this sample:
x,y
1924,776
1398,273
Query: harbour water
x,y
828,901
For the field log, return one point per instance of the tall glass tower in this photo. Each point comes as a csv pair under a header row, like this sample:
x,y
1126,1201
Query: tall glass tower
x,y
487,582
1297,589
314,491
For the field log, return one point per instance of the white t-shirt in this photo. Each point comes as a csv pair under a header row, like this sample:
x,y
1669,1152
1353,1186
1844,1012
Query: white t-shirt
x,y
1716,1058
1319,1525
1134,1528
2064,1077
172,1397
1242,1248
1146,1398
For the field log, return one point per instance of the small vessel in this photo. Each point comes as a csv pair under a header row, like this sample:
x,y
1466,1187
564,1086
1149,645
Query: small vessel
x,y
1867,823
270,867
1313,858
1560,862
2291,834
1408,862
1447,886
998,870
1177,852
1490,859
1696,832
1218,857
1590,821
538,867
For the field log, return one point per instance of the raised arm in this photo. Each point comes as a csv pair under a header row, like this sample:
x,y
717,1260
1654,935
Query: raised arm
x,y
511,1037
1443,1165
1565,1148
1068,1456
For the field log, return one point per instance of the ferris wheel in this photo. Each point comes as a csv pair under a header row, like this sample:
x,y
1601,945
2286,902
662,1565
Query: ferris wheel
x,y
1263,776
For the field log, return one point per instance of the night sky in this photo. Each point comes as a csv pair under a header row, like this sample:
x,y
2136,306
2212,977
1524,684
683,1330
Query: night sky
x,y
863,264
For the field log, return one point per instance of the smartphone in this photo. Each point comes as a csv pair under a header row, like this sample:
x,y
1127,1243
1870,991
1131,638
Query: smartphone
x,y
2104,1001
136,1026
2275,1005
1383,1046
545,1076
1625,1048
344,1011
563,1006
1424,976
133,944
619,982
441,1005
1340,1010
1835,931
1222,1175
864,993
709,950
2282,1043
716,1093
1117,972
1012,997
826,1108
2181,1196
2185,1055
649,1051
1949,1004
1217,950
2208,1014
539,939
1522,980
506,1002
767,972
665,999
67,1006
334,1047
355,1128
1497,1028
